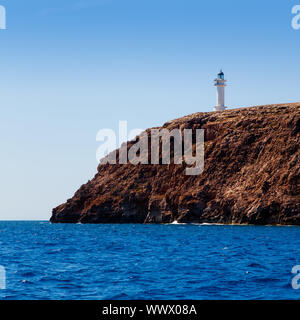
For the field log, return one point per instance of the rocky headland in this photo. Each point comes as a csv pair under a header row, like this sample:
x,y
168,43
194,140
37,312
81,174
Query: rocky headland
x,y
251,176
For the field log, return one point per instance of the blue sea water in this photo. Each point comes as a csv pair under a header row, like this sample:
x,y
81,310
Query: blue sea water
x,y
66,261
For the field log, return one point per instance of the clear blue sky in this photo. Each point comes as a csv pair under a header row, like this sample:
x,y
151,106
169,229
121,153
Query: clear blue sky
x,y
71,67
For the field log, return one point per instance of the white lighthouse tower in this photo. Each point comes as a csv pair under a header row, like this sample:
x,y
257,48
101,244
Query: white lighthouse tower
x,y
220,83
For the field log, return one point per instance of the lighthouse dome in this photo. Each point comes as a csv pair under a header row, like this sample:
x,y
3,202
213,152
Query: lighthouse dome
x,y
221,74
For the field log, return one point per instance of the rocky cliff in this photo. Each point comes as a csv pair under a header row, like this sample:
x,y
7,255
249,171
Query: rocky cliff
x,y
251,176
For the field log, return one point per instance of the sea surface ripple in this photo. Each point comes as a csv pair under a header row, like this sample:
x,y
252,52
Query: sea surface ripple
x,y
76,261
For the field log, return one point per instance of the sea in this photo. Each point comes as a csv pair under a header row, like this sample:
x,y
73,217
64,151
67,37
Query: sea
x,y
43,261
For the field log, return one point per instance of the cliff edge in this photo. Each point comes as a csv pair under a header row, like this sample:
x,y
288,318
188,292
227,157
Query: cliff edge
x,y
251,176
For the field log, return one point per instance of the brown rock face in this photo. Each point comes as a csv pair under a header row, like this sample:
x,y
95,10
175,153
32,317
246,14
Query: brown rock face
x,y
251,176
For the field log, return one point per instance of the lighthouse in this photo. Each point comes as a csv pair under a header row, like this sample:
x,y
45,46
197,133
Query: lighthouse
x,y
220,83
